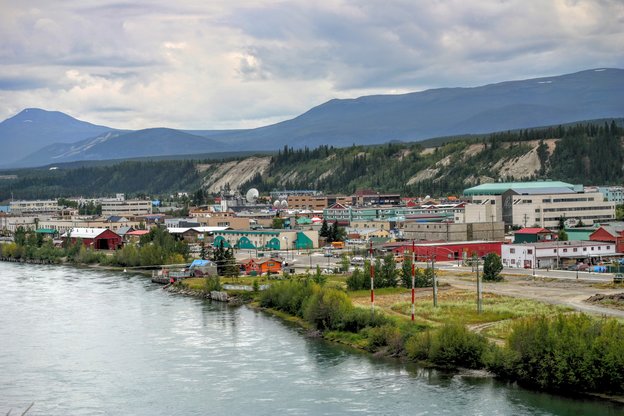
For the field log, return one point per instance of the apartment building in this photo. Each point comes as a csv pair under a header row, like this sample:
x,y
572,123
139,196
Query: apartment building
x,y
125,207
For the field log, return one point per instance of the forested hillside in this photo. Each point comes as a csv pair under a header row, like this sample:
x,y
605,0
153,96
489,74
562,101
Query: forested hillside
x,y
591,154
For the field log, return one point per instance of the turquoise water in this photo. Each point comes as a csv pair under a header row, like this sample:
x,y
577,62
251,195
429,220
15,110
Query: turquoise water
x,y
85,342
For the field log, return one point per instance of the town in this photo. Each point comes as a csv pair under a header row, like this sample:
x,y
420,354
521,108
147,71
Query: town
x,y
530,225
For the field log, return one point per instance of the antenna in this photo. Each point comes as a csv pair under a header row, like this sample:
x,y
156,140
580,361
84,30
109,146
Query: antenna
x,y
252,195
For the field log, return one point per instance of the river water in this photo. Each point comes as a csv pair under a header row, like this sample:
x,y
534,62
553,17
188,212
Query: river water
x,y
86,342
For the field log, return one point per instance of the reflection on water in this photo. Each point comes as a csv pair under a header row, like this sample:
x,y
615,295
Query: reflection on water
x,y
90,342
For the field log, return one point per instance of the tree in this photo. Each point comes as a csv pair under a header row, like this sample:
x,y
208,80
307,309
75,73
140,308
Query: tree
x,y
278,223
324,231
562,235
406,272
492,266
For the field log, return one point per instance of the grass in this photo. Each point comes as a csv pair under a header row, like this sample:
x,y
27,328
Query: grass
x,y
459,307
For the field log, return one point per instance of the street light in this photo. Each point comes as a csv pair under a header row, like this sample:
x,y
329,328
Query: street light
x,y
286,239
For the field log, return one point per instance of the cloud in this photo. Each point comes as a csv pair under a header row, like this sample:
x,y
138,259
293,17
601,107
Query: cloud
x,y
229,64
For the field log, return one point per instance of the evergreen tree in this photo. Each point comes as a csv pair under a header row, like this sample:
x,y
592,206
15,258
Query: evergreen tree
x,y
492,266
324,230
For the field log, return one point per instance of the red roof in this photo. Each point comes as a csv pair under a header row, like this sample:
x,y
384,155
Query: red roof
x,y
533,231
137,232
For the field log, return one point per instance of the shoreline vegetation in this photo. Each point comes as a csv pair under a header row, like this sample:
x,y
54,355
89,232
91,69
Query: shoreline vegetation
x,y
540,346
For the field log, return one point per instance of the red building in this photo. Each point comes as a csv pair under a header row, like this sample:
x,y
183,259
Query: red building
x,y
447,251
610,233
260,266
96,238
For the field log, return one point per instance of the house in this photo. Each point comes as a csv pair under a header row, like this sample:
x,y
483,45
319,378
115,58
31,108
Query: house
x,y
190,235
133,236
533,235
261,266
446,251
96,238
611,233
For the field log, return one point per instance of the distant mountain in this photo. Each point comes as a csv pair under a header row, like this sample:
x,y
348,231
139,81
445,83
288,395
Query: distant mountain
x,y
416,116
33,128
586,95
125,145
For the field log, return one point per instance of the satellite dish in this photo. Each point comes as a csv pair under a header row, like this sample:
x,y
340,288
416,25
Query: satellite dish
x,y
276,204
284,204
252,195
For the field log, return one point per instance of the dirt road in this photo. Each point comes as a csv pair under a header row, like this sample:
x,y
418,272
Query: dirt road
x,y
568,293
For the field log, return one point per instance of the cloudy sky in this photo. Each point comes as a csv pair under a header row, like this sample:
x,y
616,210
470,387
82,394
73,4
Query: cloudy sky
x,y
214,64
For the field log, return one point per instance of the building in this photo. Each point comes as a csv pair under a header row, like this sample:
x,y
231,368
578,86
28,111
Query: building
x,y
536,204
555,254
267,239
347,214
122,206
64,225
610,233
364,197
96,238
262,266
8,224
454,251
612,193
317,202
446,231
38,207
533,235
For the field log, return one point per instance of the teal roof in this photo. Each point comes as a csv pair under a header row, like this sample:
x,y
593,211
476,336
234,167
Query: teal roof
x,y
497,188
46,231
250,232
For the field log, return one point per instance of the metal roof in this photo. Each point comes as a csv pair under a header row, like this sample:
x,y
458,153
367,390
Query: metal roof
x,y
86,232
497,188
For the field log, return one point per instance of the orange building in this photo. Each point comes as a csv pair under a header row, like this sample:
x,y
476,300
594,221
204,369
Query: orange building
x,y
262,266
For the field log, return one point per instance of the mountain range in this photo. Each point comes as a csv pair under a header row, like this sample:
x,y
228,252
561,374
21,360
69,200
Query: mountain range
x,y
37,137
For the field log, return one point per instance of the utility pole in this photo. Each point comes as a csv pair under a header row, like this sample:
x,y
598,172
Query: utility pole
x,y
413,277
372,282
435,281
479,295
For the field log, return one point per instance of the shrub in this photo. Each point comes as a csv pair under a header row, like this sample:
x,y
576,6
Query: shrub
x,y
569,352
454,345
418,346
358,280
213,283
387,335
327,308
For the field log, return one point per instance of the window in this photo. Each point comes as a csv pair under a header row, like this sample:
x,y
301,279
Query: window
x,y
575,249
565,250
529,251
512,250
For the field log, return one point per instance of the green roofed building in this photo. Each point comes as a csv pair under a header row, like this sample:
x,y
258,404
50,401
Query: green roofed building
x,y
498,188
539,204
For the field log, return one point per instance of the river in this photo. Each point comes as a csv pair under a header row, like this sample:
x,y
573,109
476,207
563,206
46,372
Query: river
x,y
89,342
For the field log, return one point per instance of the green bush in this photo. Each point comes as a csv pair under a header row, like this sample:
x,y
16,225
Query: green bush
x,y
387,335
288,296
449,346
212,283
455,345
418,346
569,352
327,308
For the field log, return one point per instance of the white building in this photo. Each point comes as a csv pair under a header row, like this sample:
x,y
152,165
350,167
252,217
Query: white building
x,y
38,207
121,206
549,254
541,204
